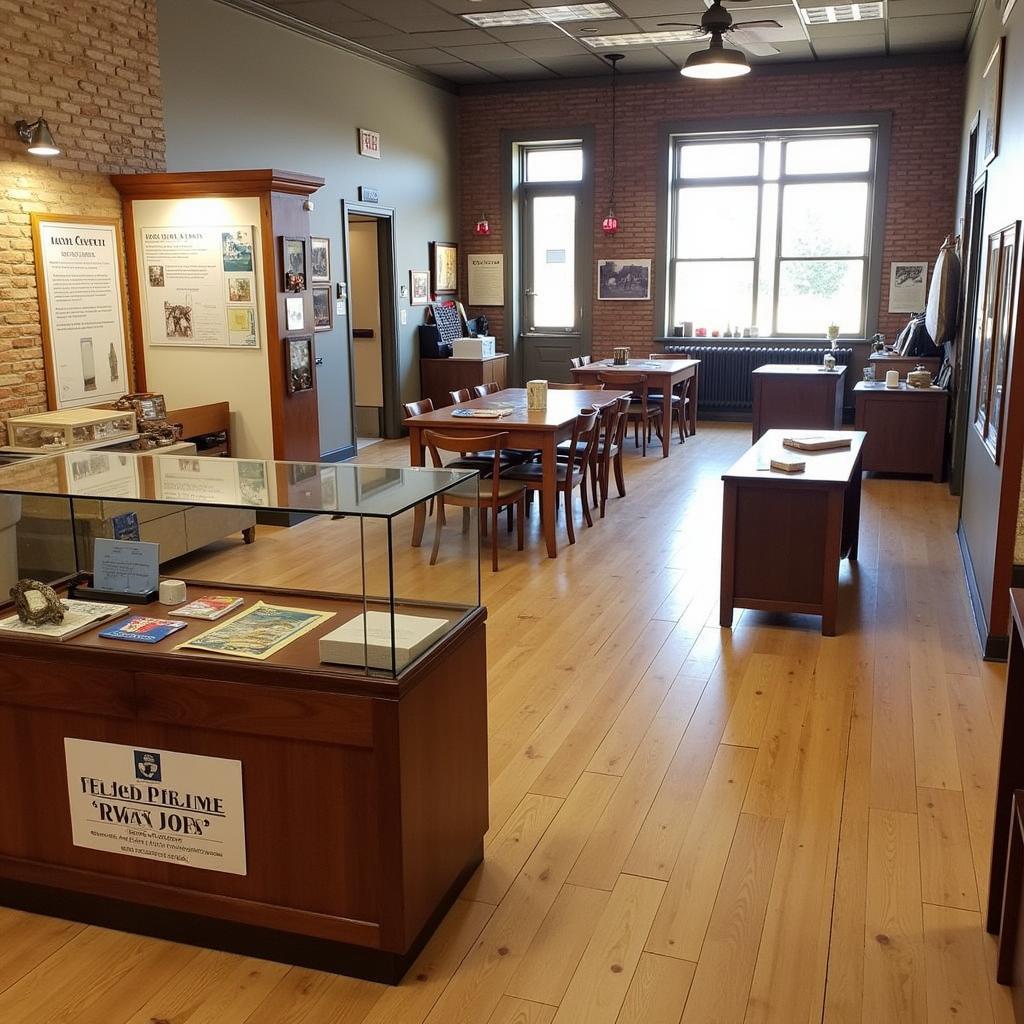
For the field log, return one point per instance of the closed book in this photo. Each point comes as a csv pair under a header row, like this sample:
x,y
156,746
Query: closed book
x,y
816,442
366,640
79,616
140,629
210,608
789,465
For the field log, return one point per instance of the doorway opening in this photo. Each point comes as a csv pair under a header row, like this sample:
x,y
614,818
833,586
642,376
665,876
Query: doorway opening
x,y
368,234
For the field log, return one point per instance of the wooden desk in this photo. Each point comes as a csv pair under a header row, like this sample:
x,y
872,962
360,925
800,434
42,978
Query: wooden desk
x,y
906,428
439,376
543,430
662,375
797,397
199,421
1011,762
783,535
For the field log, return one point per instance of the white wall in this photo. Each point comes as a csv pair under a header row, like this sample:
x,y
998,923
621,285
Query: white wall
x,y
240,92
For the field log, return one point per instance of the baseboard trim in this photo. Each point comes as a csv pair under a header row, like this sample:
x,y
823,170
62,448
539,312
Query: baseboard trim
x,y
342,454
994,648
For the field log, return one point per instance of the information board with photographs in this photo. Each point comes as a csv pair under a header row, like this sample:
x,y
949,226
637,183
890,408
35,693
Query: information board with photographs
x,y
199,286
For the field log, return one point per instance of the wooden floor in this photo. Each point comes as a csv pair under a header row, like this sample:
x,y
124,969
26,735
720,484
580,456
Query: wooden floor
x,y
687,824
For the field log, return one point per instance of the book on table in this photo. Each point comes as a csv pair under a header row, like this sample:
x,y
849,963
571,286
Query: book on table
x,y
367,640
816,442
788,465
78,617
210,608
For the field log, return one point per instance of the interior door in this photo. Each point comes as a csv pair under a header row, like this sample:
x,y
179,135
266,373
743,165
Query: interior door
x,y
553,318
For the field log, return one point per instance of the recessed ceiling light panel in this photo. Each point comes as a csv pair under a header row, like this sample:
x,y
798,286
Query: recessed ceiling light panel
x,y
841,14
641,39
542,15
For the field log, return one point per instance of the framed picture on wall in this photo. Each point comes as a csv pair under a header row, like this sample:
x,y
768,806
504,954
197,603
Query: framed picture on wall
x,y
299,365
293,264
419,287
322,316
294,313
319,259
624,280
444,268
996,336
991,103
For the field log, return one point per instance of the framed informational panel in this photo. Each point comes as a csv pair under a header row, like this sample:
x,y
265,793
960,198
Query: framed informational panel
x,y
83,309
199,285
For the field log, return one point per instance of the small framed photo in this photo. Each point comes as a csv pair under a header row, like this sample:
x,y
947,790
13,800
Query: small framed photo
x,y
299,366
295,313
991,103
322,316
419,287
444,268
624,280
293,264
319,259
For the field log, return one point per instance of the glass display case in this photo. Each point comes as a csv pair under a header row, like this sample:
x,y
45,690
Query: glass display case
x,y
67,429
346,587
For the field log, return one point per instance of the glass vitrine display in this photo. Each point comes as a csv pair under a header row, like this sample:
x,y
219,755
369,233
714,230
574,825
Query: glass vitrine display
x,y
314,567
67,429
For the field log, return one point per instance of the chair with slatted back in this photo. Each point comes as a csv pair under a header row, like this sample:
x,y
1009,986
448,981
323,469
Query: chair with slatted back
x,y
681,395
460,396
509,456
584,360
575,362
569,474
643,413
607,454
483,390
490,495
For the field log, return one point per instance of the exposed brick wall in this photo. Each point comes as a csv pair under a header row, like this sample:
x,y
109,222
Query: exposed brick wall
x,y
926,101
92,69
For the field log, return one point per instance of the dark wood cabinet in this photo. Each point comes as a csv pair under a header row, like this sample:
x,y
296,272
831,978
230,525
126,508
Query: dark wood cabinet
x,y
904,364
365,797
797,397
906,428
439,376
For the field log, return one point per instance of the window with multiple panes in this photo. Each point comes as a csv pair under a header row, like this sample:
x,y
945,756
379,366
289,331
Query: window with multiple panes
x,y
772,230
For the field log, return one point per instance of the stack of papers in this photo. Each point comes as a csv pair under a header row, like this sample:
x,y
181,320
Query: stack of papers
x,y
78,617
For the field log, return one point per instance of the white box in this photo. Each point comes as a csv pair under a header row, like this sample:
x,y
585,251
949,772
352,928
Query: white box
x,y
366,640
473,348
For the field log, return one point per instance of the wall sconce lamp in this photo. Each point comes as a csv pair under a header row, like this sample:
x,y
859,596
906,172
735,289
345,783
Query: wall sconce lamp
x,y
37,138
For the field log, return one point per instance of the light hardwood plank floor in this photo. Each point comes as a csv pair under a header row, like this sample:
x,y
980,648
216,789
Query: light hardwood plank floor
x,y
756,826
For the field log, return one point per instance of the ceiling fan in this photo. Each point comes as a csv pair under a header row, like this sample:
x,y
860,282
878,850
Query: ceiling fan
x,y
718,61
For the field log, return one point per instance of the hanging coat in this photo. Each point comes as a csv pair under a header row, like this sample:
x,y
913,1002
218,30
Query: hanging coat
x,y
943,296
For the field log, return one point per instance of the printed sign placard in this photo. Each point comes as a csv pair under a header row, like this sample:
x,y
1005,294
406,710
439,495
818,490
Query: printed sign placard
x,y
369,143
161,805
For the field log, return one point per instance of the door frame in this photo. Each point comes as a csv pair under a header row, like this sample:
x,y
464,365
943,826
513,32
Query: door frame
x,y
386,256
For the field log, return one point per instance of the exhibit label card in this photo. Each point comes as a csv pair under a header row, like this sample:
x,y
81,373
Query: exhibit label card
x,y
80,267
126,566
184,809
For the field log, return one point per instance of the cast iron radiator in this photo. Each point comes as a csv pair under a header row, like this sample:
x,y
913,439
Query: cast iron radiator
x,y
725,382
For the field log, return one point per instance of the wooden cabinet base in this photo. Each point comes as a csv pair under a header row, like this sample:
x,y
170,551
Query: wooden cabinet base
x,y
215,933
365,796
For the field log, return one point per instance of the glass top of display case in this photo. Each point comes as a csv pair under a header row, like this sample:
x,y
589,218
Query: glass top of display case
x,y
301,487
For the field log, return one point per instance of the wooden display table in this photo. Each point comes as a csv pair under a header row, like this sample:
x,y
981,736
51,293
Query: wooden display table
x,y
783,534
906,428
365,796
797,397
439,376
883,361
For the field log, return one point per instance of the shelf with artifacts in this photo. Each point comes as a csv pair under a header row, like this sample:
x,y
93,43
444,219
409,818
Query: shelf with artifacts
x,y
225,786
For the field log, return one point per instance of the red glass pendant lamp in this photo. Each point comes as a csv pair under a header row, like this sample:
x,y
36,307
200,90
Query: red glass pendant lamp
x,y
610,224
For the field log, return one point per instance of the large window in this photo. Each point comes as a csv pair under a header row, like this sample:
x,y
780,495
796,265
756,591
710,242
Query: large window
x,y
552,176
772,230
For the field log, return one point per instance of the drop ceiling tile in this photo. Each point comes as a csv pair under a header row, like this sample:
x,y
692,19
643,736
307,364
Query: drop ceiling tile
x,y
571,67
846,30
414,40
661,8
428,55
937,30
409,15
678,52
460,72
520,33
485,51
645,58
479,6
518,70
920,8
540,48
793,51
851,46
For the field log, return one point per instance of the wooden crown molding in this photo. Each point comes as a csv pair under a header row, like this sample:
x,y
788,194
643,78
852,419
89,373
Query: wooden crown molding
x,y
214,183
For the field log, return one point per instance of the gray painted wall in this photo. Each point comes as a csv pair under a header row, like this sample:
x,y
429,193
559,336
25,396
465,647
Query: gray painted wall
x,y
240,92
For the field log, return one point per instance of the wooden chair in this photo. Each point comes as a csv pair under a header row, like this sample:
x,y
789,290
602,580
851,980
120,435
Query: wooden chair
x,y
460,396
569,474
584,360
492,494
681,395
482,464
483,390
643,413
607,454
575,362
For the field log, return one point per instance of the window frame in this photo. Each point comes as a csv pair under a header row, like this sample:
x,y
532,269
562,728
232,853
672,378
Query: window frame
x,y
673,136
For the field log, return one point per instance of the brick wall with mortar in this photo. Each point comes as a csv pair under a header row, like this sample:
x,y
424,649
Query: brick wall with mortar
x,y
925,99
92,69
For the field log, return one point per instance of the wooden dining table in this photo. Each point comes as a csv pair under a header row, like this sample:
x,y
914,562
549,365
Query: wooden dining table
x,y
662,375
542,430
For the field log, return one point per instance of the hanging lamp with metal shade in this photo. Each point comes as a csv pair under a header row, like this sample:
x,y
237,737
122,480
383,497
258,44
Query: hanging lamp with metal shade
x,y
719,61
716,62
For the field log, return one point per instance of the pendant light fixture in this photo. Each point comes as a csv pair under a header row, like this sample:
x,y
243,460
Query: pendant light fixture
x,y
610,225
717,61
482,228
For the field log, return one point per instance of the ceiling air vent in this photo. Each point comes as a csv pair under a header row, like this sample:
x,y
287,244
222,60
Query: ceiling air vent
x,y
841,14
